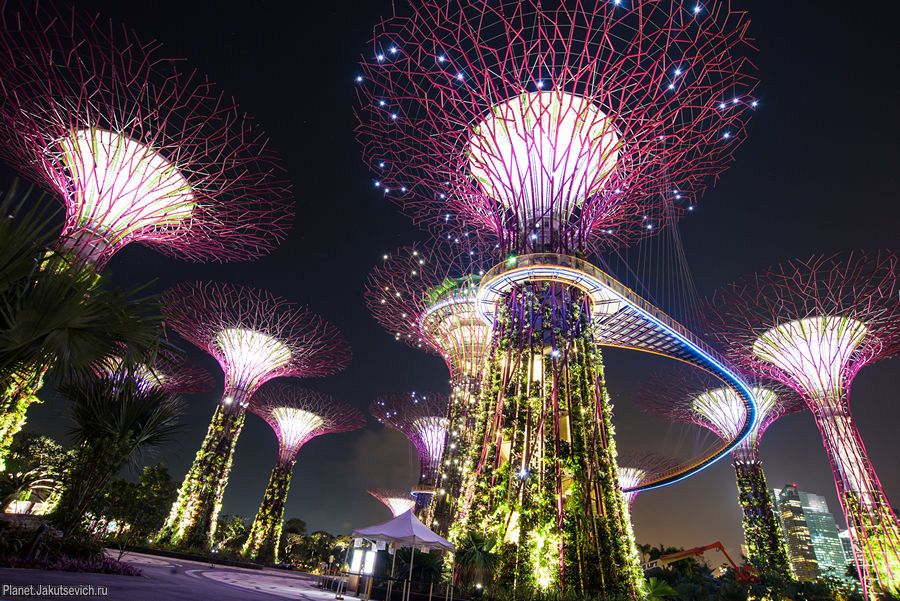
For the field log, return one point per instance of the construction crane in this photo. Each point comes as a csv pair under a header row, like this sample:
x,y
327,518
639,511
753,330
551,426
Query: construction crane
x,y
742,573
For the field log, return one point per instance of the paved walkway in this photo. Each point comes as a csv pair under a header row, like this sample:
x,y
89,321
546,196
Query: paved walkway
x,y
169,579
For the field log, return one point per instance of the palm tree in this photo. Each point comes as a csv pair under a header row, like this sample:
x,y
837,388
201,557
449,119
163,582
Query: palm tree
x,y
475,558
54,313
116,420
659,589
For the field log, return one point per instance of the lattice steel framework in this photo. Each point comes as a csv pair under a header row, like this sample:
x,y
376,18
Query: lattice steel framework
x,y
549,126
397,501
813,324
136,148
425,296
556,130
422,419
255,336
167,369
636,469
696,398
296,415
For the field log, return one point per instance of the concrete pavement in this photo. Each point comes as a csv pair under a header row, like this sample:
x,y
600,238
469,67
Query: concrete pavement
x,y
172,579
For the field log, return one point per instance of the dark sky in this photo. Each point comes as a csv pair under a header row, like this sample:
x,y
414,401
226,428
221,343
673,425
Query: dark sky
x,y
819,174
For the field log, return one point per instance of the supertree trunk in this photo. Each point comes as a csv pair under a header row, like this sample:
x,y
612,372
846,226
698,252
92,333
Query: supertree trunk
x,y
192,520
543,478
762,529
874,529
18,395
265,534
460,434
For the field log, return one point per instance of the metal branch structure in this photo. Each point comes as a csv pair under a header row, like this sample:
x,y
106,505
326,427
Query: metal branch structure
x,y
698,399
556,131
422,419
255,336
397,501
637,468
425,296
136,148
813,324
296,415
167,369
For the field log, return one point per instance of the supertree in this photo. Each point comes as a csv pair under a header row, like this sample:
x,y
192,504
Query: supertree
x,y
255,336
397,501
425,297
556,131
297,415
637,468
166,369
695,398
422,419
813,324
136,150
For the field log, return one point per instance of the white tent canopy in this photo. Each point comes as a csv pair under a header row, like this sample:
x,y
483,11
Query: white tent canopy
x,y
405,530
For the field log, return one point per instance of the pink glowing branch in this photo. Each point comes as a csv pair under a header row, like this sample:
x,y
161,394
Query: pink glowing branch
x,y
422,418
298,415
696,398
254,335
397,501
636,469
167,370
559,127
137,149
425,296
812,325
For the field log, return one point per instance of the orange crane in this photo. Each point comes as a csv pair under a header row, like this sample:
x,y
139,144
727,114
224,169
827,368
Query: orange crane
x,y
743,573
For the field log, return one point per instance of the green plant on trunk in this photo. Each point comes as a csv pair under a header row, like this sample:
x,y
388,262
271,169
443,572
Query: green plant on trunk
x,y
767,550
541,477
192,519
265,533
116,419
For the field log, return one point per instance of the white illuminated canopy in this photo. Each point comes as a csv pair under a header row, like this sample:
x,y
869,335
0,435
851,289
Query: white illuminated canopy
x,y
722,409
629,477
294,427
123,185
250,355
432,431
813,351
542,153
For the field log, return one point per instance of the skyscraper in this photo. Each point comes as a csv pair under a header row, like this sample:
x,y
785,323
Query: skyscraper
x,y
796,532
844,535
823,531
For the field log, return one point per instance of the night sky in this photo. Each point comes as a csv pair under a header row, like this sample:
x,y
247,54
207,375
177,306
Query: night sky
x,y
818,174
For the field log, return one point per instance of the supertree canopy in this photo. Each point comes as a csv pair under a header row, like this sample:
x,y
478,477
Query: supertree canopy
x,y
137,149
167,369
697,399
554,130
813,324
397,501
552,126
637,468
255,336
422,419
425,297
297,416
